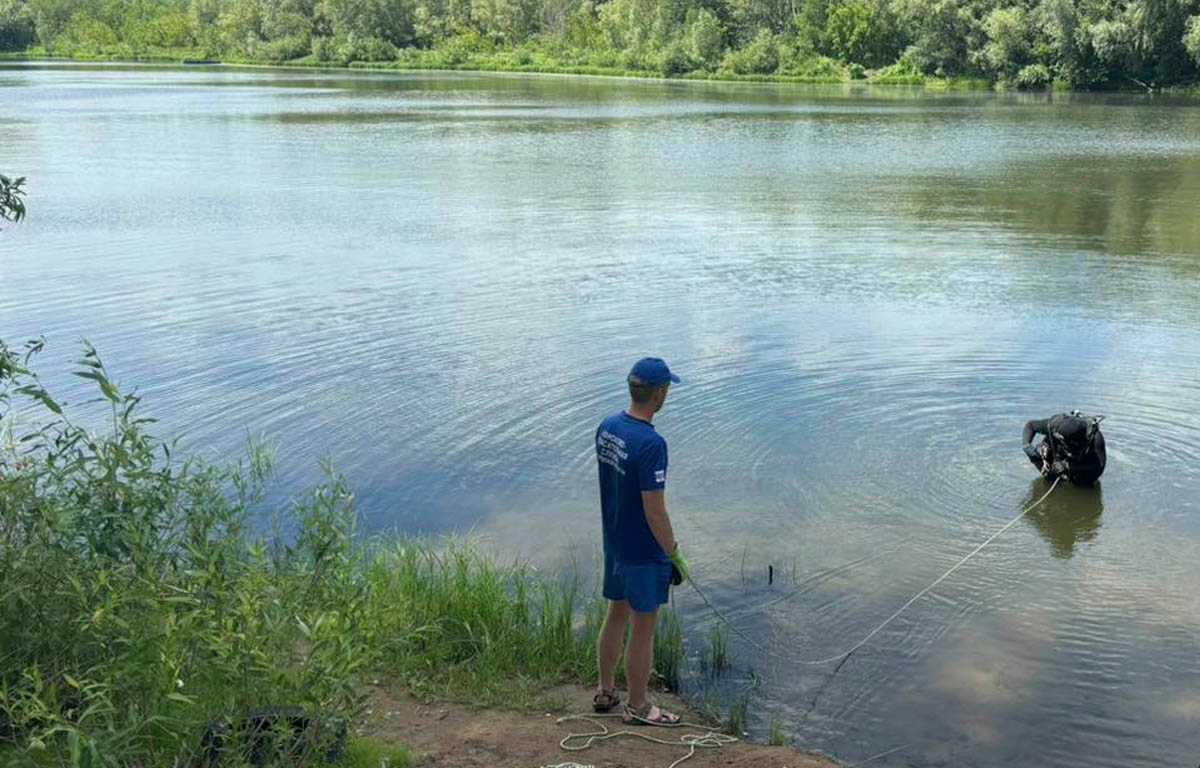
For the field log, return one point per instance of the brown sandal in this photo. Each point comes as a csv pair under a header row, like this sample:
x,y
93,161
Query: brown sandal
x,y
649,715
606,700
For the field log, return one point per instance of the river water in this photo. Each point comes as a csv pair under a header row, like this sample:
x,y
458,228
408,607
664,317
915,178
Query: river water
x,y
440,280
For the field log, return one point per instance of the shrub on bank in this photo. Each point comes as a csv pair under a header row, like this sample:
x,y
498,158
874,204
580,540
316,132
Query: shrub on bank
x,y
286,49
760,57
903,72
1034,76
139,604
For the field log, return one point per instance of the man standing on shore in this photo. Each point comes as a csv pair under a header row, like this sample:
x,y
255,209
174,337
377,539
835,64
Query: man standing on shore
x,y
641,555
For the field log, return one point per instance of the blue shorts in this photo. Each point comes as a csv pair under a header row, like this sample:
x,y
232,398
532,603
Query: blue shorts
x,y
645,586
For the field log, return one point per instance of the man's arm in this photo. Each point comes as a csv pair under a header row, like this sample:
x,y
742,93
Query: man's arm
x,y
1040,457
1039,427
655,504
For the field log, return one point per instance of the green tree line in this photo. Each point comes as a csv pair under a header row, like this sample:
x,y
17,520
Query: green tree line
x,y
1028,43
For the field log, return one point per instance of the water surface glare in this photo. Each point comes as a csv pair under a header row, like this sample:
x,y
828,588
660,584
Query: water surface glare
x,y
439,280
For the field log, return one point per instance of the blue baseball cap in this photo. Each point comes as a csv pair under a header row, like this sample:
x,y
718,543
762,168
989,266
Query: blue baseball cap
x,y
653,372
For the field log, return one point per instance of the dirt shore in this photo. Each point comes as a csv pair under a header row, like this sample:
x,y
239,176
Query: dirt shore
x,y
458,736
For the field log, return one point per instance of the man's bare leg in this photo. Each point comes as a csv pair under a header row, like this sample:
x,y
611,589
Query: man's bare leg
x,y
612,639
639,656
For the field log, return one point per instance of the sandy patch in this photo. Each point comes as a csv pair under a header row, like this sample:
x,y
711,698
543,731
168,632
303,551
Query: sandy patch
x,y
458,736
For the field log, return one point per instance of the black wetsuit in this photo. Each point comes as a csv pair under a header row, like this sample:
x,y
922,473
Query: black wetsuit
x,y
1076,447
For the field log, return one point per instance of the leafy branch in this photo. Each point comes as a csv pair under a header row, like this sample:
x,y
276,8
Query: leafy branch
x,y
12,207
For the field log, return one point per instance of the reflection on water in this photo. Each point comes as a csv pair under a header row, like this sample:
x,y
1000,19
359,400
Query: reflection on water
x,y
440,281
1069,515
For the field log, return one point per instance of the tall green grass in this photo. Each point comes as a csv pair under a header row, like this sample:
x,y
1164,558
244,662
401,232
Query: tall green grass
x,y
669,659
738,722
717,659
776,737
138,602
453,623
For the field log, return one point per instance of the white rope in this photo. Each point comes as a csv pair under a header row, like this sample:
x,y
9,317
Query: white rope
x,y
885,753
889,619
693,741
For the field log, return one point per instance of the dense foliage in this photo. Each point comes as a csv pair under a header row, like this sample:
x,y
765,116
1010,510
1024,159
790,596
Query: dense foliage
x,y
142,597
1030,43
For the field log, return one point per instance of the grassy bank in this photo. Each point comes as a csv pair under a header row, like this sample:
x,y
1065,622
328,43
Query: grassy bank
x,y
140,602
435,63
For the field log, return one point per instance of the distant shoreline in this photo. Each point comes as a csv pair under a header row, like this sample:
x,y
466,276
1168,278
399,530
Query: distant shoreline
x,y
415,65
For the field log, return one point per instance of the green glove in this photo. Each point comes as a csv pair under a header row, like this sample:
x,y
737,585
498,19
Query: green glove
x,y
679,567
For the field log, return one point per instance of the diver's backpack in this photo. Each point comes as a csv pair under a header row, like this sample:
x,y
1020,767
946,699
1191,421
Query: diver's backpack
x,y
1075,450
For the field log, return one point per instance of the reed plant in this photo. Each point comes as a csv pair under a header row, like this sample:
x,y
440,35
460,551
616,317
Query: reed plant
x,y
668,650
709,704
718,647
139,604
776,737
739,717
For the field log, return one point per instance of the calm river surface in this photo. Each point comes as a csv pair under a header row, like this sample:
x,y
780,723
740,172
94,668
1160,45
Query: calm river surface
x,y
440,281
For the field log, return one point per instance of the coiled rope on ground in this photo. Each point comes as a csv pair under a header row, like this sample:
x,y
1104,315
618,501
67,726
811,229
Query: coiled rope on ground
x,y
693,741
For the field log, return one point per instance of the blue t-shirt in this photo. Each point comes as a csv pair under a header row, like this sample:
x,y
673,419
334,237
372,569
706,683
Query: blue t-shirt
x,y
632,458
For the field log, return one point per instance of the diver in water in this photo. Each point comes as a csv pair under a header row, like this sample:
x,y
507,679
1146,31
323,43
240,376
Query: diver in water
x,y
1072,446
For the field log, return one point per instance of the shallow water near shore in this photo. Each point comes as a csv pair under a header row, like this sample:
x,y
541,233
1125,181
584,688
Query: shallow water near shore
x,y
440,280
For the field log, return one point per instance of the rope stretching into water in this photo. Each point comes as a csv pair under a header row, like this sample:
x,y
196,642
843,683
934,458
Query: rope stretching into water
x,y
846,654
712,740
